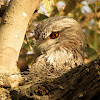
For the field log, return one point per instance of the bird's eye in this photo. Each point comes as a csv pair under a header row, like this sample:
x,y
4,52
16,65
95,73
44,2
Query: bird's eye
x,y
54,35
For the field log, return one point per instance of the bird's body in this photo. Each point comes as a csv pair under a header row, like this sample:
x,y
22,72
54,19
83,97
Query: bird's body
x,y
60,40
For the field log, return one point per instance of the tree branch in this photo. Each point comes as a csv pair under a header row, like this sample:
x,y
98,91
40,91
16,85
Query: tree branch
x,y
12,31
70,6
81,83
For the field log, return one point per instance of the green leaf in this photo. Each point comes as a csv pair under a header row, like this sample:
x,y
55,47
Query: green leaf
x,y
92,54
67,0
55,11
26,45
41,17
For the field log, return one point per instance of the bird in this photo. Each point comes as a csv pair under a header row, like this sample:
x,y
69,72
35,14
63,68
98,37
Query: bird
x,y
61,42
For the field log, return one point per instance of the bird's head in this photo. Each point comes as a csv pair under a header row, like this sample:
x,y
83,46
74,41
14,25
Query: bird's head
x,y
59,32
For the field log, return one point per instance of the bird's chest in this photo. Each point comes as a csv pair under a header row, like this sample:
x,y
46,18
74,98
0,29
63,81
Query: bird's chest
x,y
58,60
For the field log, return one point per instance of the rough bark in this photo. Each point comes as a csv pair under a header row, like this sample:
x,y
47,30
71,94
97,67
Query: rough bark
x,y
12,31
81,83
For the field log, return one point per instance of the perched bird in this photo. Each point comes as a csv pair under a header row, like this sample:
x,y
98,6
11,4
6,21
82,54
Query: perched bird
x,y
60,40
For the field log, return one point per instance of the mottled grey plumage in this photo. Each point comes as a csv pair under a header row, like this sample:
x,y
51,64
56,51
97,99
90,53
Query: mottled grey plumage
x,y
61,54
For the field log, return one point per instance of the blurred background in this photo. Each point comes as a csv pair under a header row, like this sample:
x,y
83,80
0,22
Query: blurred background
x,y
86,12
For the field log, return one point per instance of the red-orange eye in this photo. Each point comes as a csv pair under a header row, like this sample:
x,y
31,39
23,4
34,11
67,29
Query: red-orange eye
x,y
54,35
